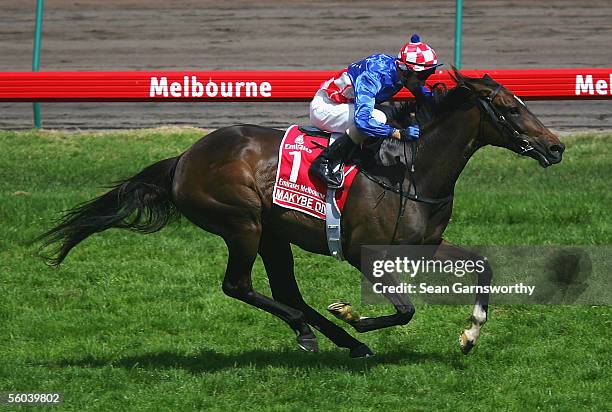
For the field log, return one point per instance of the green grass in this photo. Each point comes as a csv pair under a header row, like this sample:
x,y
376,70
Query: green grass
x,y
133,322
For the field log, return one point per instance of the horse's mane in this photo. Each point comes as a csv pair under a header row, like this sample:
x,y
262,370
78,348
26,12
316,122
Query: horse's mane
x,y
443,101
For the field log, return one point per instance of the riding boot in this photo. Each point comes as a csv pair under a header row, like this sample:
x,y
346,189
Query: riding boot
x,y
329,165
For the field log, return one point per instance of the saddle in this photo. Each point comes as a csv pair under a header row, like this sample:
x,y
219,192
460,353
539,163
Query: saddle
x,y
296,189
314,131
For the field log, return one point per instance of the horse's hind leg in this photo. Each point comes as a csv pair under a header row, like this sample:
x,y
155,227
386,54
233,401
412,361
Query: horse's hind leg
x,y
242,246
278,261
222,197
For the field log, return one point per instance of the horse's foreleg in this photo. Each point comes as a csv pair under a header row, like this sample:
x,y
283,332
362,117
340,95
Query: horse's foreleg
x,y
404,313
243,246
278,261
468,338
403,306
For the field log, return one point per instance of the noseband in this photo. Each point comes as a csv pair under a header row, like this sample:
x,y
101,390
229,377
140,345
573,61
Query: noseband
x,y
505,126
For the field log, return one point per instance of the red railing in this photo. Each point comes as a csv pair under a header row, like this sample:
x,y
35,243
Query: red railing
x,y
541,84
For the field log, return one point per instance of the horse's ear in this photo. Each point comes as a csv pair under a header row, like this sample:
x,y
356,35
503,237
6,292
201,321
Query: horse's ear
x,y
489,79
457,76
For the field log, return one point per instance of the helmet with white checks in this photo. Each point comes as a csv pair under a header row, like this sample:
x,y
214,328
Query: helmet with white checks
x,y
417,56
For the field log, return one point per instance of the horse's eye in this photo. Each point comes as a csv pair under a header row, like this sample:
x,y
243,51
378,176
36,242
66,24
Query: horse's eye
x,y
514,111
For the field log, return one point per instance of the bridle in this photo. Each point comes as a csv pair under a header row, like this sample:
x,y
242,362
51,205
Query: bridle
x,y
505,126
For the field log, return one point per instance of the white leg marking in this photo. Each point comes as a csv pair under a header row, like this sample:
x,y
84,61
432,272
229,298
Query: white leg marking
x,y
479,314
479,317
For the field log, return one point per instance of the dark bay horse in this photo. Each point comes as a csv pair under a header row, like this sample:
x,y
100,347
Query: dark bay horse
x,y
224,184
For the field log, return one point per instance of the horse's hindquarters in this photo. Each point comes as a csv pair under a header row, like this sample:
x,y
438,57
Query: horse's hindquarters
x,y
218,183
224,184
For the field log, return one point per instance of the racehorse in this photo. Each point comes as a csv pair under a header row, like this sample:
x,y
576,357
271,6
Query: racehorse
x,y
224,184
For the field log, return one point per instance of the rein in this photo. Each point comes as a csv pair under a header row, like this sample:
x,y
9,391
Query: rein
x,y
503,125
405,196
399,189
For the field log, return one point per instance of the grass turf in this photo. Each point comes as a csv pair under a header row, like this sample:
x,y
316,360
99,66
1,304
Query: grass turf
x,y
133,322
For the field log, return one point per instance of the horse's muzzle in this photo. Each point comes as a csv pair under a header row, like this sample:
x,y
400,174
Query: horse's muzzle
x,y
547,155
555,152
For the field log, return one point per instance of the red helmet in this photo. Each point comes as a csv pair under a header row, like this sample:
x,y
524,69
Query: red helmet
x,y
417,56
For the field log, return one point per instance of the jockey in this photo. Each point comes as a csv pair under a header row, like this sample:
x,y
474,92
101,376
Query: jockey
x,y
346,103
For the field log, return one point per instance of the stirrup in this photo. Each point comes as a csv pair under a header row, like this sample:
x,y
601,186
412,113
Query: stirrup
x,y
333,183
322,170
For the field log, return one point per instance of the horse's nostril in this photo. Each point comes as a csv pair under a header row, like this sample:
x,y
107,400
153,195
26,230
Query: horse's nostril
x,y
558,148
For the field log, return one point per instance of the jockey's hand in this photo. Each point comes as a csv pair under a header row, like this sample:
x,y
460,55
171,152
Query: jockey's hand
x,y
426,91
410,133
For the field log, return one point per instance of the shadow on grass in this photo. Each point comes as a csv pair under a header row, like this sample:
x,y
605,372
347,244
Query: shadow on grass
x,y
211,361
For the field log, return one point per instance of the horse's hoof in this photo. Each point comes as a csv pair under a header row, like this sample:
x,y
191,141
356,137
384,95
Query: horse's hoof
x,y
361,351
466,343
343,311
308,343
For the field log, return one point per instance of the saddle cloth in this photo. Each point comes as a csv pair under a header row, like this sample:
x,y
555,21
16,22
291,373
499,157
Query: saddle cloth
x,y
295,188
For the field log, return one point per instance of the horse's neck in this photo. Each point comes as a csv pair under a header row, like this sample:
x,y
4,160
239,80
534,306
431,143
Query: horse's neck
x,y
445,151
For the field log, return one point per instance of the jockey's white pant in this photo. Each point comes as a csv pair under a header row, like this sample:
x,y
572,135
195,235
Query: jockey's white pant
x,y
337,117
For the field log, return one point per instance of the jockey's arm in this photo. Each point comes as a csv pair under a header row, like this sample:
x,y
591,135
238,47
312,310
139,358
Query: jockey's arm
x,y
366,86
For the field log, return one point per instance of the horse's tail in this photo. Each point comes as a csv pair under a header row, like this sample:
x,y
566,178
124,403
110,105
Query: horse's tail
x,y
142,203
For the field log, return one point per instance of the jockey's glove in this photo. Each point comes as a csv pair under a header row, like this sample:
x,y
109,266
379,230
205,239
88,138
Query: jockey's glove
x,y
426,91
410,133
